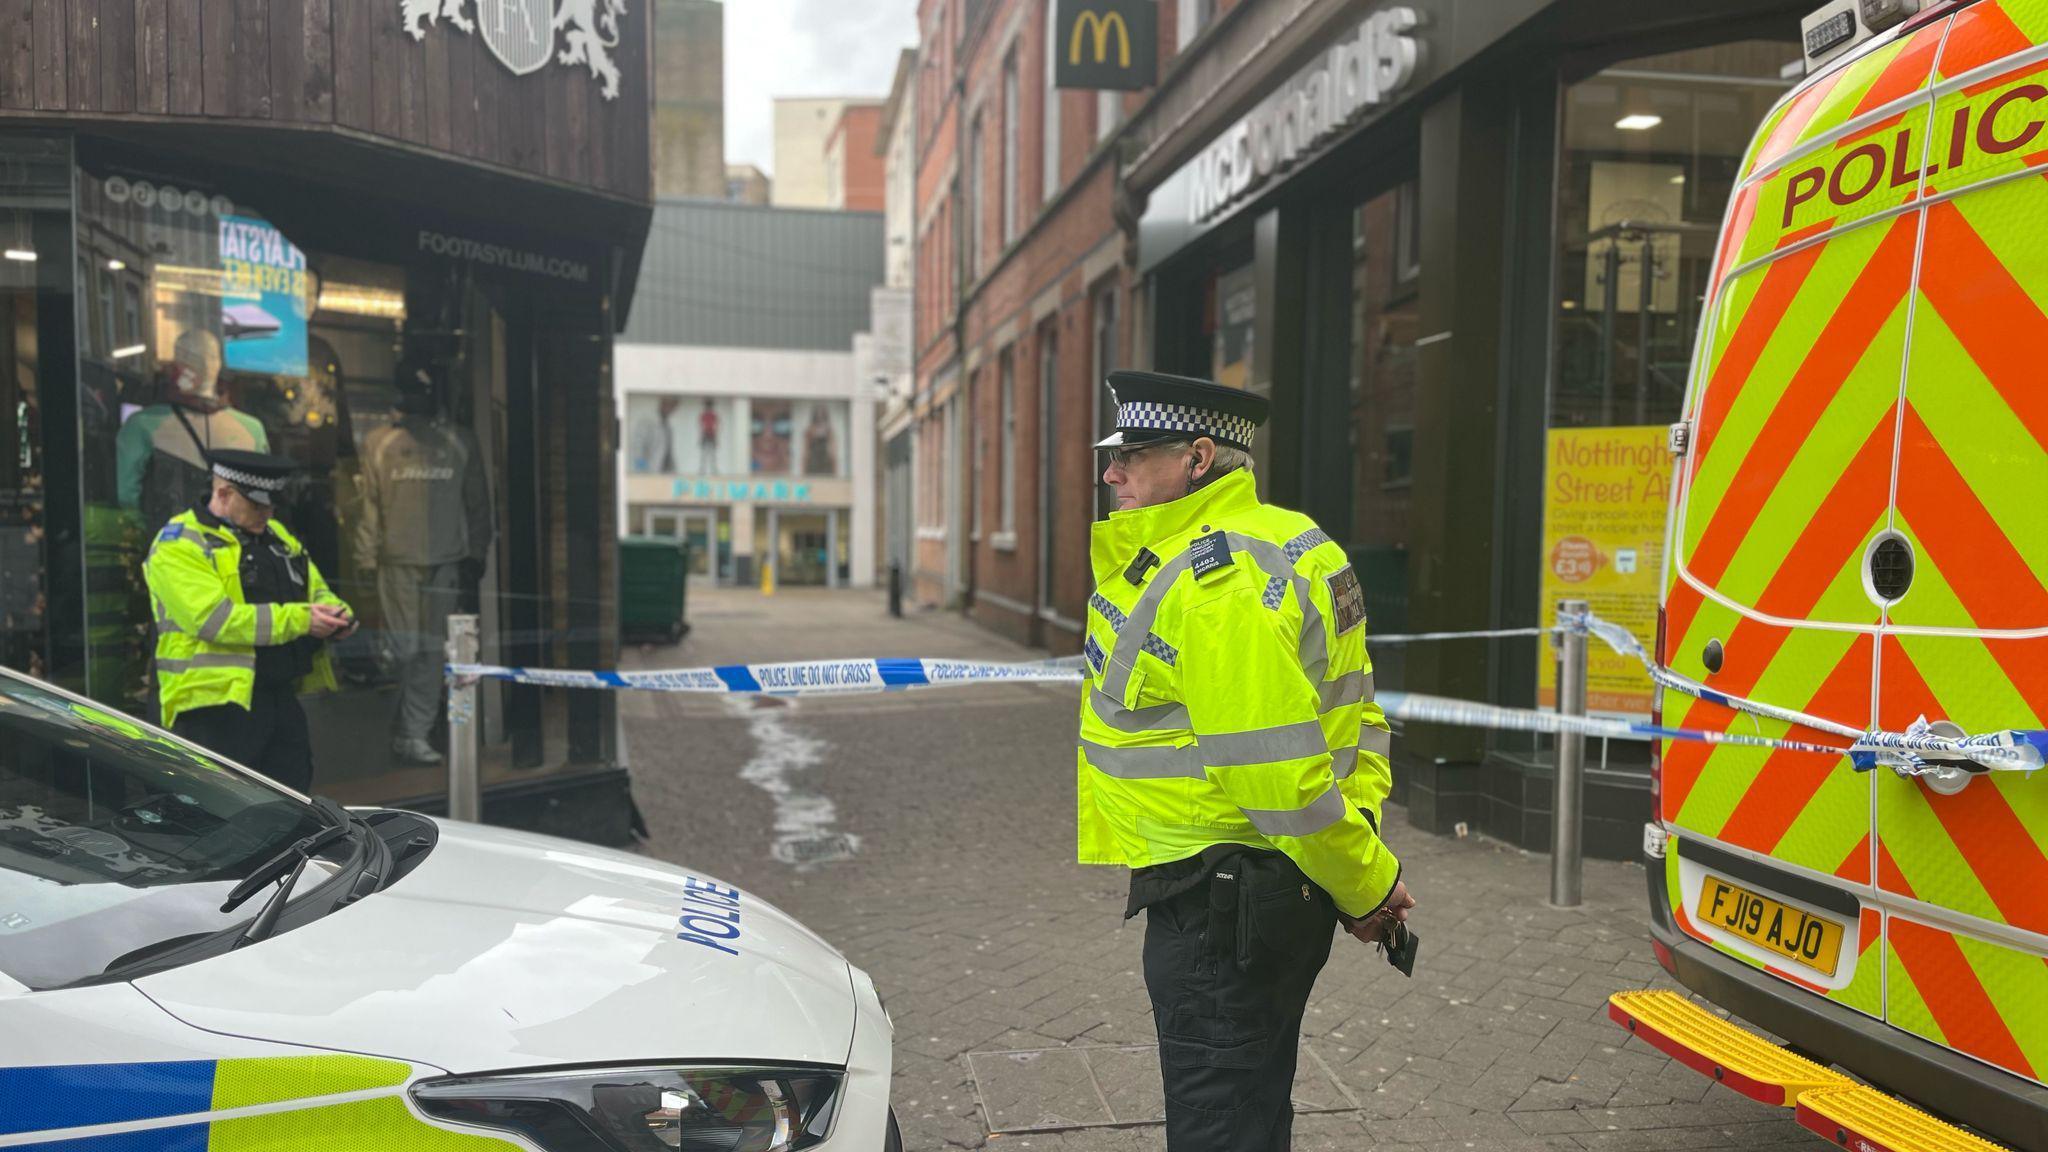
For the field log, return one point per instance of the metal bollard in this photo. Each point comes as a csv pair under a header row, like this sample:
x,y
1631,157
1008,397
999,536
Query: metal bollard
x,y
895,589
465,792
1568,805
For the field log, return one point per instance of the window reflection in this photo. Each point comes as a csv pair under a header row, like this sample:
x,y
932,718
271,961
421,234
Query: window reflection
x,y
208,326
1386,282
1652,147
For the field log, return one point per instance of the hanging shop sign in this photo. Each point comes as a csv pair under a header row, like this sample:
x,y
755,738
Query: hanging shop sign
x,y
1362,71
1106,44
522,33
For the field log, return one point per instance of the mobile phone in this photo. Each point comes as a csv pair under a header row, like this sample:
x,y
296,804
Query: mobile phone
x,y
1400,946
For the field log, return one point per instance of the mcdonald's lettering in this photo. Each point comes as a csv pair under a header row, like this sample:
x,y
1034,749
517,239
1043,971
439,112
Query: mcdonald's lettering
x,y
1089,20
1362,71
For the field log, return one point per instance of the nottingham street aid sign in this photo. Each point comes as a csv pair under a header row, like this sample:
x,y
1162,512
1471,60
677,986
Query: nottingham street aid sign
x,y
1106,43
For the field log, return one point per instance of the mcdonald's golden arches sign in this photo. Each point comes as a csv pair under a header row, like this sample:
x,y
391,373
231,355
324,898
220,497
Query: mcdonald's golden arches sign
x,y
1106,43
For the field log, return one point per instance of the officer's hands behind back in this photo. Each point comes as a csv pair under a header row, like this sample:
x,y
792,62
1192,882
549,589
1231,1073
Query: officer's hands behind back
x,y
1373,929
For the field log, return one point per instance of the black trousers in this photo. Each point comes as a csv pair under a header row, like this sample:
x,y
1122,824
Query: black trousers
x,y
269,736
1229,966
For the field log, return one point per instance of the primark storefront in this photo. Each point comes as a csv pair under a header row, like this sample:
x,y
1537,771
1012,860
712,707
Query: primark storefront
x,y
233,245
1461,245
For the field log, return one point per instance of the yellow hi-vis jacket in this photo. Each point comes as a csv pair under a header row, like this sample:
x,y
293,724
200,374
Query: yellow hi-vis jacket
x,y
207,633
1229,699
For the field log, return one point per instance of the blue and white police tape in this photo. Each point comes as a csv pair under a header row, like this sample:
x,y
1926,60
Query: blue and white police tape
x,y
795,677
1918,751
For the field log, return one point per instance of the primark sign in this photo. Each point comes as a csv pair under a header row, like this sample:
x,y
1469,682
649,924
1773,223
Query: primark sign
x,y
1365,70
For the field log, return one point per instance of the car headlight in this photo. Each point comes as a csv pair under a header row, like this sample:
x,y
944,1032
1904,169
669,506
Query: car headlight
x,y
646,1109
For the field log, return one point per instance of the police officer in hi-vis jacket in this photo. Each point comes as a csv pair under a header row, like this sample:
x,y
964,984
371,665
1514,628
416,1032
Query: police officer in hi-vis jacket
x,y
242,620
1231,753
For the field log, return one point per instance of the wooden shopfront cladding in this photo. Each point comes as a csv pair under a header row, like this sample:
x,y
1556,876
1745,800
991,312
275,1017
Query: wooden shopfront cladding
x,y
340,68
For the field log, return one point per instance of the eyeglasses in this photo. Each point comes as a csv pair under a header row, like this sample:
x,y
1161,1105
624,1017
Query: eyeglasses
x,y
1122,457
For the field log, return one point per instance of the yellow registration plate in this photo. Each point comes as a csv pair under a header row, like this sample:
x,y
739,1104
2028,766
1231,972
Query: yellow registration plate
x,y
1811,940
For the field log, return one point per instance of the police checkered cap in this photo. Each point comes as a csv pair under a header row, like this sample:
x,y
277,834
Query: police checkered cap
x,y
1154,406
1185,420
241,479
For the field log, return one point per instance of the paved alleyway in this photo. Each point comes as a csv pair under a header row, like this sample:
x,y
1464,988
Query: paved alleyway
x,y
930,837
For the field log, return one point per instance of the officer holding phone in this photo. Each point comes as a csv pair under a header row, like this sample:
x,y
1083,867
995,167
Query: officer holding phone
x,y
242,617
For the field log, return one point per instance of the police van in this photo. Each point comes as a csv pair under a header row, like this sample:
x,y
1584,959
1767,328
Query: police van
x,y
1859,532
193,958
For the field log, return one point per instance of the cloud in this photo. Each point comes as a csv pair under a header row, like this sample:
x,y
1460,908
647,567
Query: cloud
x,y
804,48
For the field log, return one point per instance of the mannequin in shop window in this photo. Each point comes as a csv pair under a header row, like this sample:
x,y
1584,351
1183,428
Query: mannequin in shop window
x,y
424,531
162,451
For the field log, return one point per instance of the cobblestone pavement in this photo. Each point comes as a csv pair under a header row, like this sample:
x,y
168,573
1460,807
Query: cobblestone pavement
x,y
930,837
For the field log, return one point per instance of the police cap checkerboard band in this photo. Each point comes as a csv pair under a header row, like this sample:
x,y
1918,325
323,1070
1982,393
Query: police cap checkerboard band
x,y
1231,753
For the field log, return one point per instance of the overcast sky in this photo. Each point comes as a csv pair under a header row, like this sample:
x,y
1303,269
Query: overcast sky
x,y
804,48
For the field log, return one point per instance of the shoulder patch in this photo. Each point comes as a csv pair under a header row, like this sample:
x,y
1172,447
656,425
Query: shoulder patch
x,y
1347,599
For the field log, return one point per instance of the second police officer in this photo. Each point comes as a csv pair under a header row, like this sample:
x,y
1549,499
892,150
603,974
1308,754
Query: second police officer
x,y
1231,754
242,617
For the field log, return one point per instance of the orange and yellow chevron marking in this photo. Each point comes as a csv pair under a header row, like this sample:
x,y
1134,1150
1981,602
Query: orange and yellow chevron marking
x,y
1986,33
1799,413
1972,852
1971,995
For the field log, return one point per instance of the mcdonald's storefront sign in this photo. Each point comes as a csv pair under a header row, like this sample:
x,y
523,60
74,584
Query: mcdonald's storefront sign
x,y
1106,43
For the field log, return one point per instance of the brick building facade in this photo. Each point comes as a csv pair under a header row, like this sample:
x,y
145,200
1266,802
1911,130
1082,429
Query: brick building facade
x,y
1022,305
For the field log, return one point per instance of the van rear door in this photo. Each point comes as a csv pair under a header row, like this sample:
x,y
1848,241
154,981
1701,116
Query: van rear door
x,y
1967,639
1787,483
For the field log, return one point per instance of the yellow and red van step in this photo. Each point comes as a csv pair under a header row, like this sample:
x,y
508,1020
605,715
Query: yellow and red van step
x,y
1709,1045
1854,1116
1858,1117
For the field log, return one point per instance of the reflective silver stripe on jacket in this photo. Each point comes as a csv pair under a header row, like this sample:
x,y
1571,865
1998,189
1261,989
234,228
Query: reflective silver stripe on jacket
x,y
1171,717
1269,556
1322,812
1376,740
1343,762
1157,762
206,660
164,624
1350,688
1298,741
216,620
263,625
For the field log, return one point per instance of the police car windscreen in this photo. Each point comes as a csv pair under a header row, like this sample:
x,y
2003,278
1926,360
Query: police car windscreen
x,y
114,838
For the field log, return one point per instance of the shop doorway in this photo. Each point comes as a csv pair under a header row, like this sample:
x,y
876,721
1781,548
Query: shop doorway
x,y
696,526
807,547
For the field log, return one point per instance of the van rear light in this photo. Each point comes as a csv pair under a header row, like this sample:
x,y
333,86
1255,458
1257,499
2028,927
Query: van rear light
x,y
1657,721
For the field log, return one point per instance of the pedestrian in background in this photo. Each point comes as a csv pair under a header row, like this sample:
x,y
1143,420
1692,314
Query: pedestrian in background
x,y
242,617
1231,753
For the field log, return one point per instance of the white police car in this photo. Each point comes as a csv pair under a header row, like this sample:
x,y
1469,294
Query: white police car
x,y
382,980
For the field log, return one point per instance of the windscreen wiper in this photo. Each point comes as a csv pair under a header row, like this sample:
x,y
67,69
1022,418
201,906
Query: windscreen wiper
x,y
292,860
